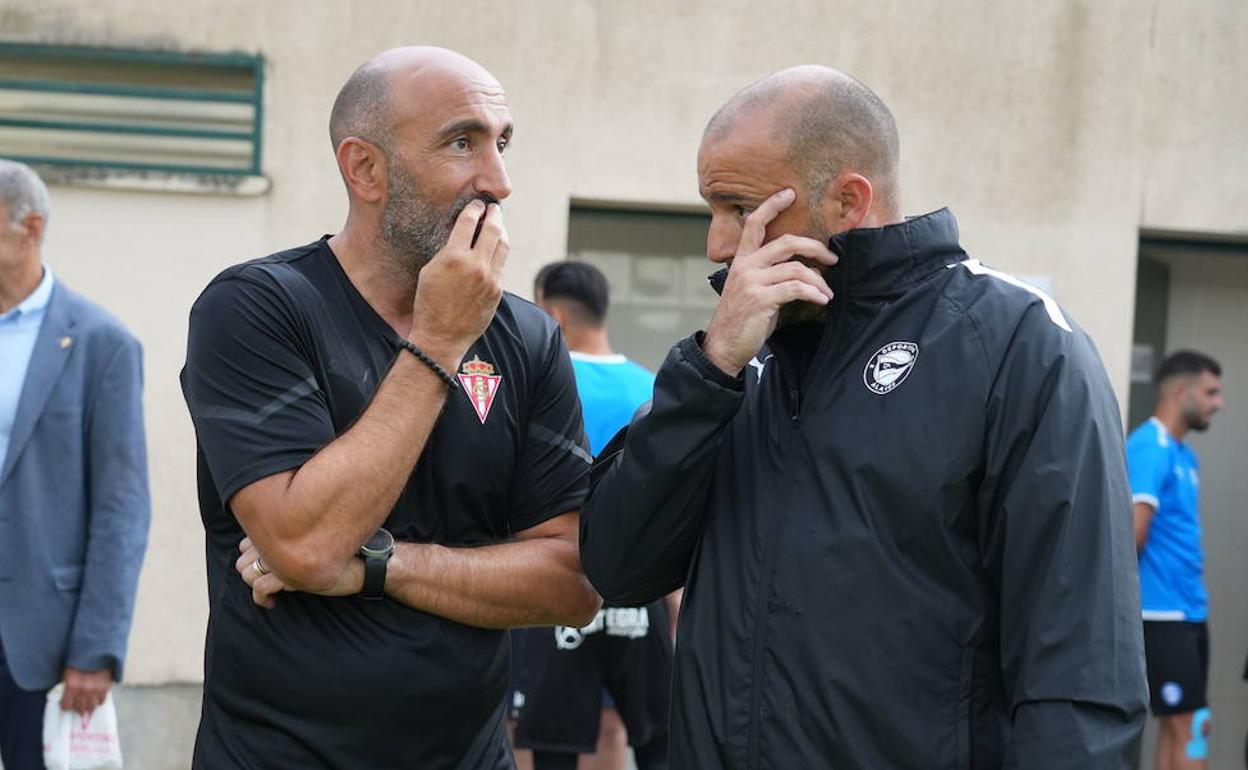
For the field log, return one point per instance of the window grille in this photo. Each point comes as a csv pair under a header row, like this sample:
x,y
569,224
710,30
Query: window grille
x,y
131,110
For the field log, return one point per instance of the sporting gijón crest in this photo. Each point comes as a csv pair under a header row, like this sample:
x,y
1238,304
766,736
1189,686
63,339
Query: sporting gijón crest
x,y
482,384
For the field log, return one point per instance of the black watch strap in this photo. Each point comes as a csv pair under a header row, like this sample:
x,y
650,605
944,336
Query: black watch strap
x,y
374,577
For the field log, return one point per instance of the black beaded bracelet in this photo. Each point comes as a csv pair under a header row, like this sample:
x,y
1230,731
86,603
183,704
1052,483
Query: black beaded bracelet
x,y
429,362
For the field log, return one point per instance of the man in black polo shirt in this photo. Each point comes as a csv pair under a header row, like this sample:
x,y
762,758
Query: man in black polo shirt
x,y
333,393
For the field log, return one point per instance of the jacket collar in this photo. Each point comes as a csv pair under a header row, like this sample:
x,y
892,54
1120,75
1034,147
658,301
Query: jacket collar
x,y
886,261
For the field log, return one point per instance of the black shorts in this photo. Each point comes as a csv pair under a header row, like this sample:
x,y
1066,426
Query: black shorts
x,y
561,673
1177,654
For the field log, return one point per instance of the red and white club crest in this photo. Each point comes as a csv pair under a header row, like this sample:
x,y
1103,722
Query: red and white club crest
x,y
481,383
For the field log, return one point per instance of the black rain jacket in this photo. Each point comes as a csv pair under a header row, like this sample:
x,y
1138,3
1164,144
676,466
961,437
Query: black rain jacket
x,y
904,544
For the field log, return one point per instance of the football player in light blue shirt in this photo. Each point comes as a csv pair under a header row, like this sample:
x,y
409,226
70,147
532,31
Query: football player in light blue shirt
x,y
1165,489
611,389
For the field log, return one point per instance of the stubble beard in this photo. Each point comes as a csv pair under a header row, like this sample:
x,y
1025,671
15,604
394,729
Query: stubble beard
x,y
1195,416
413,227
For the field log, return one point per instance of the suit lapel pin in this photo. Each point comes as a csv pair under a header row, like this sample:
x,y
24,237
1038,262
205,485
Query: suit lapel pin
x,y
66,342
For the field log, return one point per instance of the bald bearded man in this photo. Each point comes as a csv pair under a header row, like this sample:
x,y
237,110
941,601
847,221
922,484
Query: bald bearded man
x,y
890,479
391,454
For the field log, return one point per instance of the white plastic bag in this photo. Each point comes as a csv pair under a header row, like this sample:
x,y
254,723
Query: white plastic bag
x,y
74,742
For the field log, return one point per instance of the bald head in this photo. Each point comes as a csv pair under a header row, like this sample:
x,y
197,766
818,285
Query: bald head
x,y
365,107
827,122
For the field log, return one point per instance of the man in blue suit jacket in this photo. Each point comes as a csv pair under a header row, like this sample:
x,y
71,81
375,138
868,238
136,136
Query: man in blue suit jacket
x,y
74,506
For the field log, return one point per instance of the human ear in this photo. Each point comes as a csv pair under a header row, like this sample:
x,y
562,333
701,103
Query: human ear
x,y
855,196
34,224
363,167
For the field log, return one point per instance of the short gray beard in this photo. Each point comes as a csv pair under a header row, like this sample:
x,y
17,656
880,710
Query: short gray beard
x,y
413,227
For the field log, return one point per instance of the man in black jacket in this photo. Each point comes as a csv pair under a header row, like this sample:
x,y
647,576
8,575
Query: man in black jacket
x,y
890,478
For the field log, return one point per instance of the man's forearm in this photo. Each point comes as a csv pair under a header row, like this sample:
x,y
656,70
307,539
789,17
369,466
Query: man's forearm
x,y
1143,517
334,501
535,582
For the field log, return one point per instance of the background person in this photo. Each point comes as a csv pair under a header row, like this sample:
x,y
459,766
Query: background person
x,y
611,386
74,502
561,673
1165,492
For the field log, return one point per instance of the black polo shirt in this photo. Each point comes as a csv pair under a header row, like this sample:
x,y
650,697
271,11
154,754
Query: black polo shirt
x,y
283,355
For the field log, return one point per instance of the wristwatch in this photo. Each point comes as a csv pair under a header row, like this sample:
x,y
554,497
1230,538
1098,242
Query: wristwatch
x,y
375,553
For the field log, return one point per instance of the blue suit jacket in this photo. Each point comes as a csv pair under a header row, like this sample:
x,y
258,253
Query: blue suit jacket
x,y
74,504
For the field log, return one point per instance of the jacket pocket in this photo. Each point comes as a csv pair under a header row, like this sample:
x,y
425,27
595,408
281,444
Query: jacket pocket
x,y
67,579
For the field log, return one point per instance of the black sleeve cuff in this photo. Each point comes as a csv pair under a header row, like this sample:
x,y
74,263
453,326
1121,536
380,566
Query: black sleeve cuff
x,y
691,348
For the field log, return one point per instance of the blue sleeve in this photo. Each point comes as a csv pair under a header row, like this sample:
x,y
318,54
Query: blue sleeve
x,y
120,512
1147,461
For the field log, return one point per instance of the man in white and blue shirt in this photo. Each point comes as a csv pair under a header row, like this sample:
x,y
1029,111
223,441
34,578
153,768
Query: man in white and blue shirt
x,y
74,503
25,288
1165,488
19,326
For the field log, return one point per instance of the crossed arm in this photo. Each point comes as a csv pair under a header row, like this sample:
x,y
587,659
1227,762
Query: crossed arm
x,y
535,579
307,524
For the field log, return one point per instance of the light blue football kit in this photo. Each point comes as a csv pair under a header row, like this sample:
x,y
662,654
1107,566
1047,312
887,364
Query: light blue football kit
x,y
611,388
1165,474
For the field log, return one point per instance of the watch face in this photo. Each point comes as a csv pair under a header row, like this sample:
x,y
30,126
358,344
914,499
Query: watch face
x,y
380,544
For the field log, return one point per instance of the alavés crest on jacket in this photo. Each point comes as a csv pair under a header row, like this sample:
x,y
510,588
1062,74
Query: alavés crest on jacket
x,y
890,366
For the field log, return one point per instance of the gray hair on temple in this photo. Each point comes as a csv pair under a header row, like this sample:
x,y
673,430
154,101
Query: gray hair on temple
x,y
22,192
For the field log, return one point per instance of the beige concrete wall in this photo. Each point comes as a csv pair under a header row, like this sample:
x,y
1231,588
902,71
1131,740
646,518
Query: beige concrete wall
x,y
1196,144
145,257
1054,131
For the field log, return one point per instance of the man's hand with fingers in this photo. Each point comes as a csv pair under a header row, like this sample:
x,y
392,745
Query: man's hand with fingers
x,y
85,690
266,585
763,278
459,290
